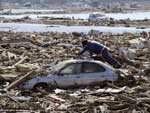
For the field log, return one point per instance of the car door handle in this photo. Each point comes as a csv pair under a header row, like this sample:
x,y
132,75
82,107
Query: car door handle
x,y
77,77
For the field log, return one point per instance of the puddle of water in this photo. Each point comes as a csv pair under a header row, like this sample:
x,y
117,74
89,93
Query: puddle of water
x,y
24,27
131,16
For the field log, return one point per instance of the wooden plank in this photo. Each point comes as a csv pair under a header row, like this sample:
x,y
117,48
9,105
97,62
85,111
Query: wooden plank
x,y
19,81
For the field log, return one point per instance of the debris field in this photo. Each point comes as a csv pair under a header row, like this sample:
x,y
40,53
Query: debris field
x,y
25,55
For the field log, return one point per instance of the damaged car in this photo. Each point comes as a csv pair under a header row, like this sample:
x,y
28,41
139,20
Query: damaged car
x,y
72,73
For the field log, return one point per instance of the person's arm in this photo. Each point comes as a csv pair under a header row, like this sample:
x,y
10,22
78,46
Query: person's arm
x,y
85,49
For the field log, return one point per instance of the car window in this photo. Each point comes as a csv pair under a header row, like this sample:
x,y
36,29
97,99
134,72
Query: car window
x,y
90,67
71,69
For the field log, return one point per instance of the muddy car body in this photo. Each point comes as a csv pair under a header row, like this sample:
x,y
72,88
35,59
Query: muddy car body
x,y
74,73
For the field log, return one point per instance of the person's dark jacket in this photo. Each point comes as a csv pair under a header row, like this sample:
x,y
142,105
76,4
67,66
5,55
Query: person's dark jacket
x,y
93,47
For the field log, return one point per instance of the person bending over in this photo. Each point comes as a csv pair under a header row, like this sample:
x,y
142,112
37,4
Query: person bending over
x,y
94,47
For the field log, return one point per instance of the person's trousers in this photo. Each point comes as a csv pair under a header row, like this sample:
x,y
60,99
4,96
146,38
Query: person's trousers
x,y
107,56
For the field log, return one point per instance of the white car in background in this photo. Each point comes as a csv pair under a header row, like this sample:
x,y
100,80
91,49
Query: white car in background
x,y
97,18
72,73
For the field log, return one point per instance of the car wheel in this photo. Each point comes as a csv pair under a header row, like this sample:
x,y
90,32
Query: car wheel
x,y
40,87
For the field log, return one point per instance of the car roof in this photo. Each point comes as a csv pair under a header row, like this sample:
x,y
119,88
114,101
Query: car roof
x,y
86,60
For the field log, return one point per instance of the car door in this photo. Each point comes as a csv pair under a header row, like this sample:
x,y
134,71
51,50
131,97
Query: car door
x,y
69,75
92,73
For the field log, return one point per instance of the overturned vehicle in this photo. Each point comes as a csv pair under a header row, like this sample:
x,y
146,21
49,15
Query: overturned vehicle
x,y
75,73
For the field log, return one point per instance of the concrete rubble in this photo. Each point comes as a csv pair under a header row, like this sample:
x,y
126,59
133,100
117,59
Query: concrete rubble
x,y
24,55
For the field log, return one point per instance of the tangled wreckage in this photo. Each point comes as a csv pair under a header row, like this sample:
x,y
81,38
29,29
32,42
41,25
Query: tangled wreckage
x,y
27,59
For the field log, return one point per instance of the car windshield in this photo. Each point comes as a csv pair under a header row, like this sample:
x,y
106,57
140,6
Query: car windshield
x,y
55,68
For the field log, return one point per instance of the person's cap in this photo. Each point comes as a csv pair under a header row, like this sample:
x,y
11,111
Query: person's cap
x,y
84,42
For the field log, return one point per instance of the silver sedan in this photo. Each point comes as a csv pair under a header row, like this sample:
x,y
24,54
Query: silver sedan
x,y
72,73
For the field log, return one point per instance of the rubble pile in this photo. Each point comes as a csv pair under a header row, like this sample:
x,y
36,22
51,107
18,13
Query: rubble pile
x,y
24,55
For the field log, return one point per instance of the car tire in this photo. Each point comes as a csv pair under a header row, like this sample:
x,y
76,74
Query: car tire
x,y
40,87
